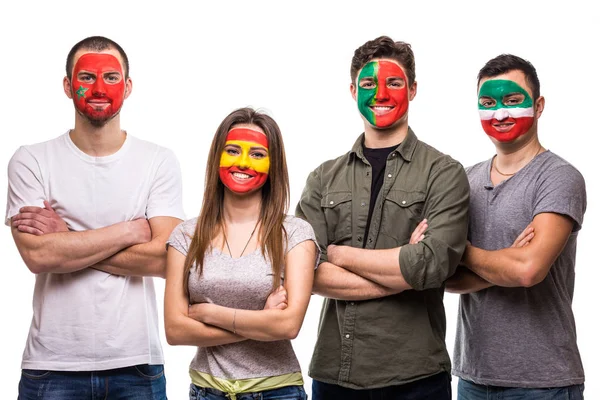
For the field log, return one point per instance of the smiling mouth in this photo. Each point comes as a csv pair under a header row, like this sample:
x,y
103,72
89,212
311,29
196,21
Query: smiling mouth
x,y
503,126
380,110
241,176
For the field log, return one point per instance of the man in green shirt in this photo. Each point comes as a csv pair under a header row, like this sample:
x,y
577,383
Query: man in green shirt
x,y
382,328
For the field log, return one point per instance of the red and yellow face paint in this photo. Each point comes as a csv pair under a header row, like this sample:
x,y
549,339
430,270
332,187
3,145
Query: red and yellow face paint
x,y
98,86
382,93
244,165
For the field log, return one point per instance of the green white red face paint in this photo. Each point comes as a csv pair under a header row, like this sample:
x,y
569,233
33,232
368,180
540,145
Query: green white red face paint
x,y
382,93
244,164
98,87
505,109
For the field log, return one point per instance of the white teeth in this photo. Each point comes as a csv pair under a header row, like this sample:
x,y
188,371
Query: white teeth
x,y
240,175
381,108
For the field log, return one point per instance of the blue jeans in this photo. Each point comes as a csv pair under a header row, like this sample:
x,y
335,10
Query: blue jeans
x,y
434,387
140,382
284,393
470,391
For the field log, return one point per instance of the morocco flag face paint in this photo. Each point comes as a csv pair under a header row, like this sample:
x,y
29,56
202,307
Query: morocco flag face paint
x,y
382,93
505,109
245,162
98,86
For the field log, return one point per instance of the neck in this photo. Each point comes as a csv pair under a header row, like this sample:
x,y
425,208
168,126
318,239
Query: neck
x,y
241,209
98,141
376,138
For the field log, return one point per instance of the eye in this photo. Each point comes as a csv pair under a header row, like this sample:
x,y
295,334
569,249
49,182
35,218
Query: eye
x,y
112,78
395,83
487,102
87,78
367,84
232,151
258,154
514,100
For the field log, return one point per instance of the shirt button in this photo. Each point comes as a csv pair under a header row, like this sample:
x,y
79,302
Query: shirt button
x,y
359,238
403,201
347,336
389,175
362,204
370,240
351,303
331,202
393,154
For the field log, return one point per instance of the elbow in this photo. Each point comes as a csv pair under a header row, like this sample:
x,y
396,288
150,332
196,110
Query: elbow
x,y
172,334
289,333
532,274
37,263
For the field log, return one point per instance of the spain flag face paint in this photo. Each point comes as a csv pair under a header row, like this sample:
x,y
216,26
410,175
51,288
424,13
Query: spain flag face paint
x,y
382,93
245,162
98,86
505,108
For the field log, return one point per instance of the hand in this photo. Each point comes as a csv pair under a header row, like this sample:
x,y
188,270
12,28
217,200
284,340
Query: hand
x,y
277,300
140,230
419,232
39,221
198,311
524,238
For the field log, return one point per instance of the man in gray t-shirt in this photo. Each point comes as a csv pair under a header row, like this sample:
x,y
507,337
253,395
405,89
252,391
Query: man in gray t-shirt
x,y
516,331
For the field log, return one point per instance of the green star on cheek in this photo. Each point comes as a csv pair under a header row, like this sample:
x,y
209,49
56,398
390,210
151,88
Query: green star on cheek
x,y
81,91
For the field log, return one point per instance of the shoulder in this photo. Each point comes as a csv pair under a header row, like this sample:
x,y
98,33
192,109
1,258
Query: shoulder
x,y
293,224
553,164
159,152
425,153
37,153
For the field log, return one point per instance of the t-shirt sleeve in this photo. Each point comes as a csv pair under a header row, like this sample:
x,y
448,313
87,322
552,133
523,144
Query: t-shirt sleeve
x,y
299,231
181,238
25,183
165,199
562,191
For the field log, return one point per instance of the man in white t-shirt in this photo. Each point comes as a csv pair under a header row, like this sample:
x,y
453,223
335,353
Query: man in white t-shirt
x,y
90,212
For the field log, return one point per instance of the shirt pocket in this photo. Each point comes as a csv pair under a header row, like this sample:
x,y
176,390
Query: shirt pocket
x,y
337,207
402,212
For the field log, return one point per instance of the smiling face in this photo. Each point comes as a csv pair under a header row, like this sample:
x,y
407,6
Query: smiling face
x,y
382,93
244,165
98,87
506,108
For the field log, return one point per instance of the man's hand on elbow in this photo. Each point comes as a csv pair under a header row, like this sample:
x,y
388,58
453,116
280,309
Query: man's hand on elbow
x,y
39,221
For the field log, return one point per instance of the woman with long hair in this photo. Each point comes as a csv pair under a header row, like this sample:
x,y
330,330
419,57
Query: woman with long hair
x,y
239,277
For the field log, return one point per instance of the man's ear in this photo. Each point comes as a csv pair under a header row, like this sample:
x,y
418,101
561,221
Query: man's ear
x,y
540,103
412,91
353,91
67,87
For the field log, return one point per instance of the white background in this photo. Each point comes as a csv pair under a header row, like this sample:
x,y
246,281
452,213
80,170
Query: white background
x,y
192,64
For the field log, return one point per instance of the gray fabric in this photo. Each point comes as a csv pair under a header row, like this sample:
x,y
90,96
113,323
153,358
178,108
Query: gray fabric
x,y
522,337
242,283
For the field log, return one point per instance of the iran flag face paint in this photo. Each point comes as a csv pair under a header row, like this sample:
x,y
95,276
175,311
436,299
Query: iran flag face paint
x,y
98,86
382,93
244,165
505,109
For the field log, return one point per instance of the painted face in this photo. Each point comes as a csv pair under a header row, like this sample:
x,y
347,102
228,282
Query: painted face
x,y
505,109
245,162
382,93
98,86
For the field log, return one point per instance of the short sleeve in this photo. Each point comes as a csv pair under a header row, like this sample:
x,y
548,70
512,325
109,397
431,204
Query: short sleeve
x,y
299,231
562,191
25,183
165,198
181,236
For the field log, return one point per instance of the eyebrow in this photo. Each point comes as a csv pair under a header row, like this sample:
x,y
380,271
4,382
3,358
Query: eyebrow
x,y
251,148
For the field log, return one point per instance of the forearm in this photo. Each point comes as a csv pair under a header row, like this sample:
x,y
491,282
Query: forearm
x,y
263,325
507,267
379,266
185,331
338,283
146,259
65,252
466,281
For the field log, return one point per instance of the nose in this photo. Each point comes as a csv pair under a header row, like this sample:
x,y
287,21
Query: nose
x,y
99,88
501,114
382,93
245,160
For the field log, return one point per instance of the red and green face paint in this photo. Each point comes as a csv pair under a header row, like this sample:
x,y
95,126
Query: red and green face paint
x,y
244,165
382,93
98,86
505,109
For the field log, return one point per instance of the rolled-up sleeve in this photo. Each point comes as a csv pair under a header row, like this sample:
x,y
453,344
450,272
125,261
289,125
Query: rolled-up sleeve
x,y
309,209
430,262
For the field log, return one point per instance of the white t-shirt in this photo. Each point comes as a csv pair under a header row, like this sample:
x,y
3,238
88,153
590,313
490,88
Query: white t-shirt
x,y
91,320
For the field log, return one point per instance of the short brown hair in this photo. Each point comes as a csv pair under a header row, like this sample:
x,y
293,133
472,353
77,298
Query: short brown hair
x,y
384,47
508,62
96,43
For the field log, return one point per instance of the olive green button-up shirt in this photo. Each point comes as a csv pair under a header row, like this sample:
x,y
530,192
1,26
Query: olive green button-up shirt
x,y
400,338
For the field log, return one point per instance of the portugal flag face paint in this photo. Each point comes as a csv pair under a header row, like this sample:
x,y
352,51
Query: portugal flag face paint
x,y
382,93
505,109
98,86
245,162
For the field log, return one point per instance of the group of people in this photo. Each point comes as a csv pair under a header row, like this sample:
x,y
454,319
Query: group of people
x,y
380,232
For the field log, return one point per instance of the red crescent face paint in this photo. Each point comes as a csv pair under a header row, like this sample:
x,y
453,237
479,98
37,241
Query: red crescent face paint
x,y
98,86
244,165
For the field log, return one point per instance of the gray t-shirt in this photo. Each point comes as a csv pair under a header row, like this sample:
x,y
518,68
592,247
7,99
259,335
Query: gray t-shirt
x,y
522,337
242,283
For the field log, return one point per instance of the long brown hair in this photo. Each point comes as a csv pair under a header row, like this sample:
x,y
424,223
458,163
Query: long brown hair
x,y
274,204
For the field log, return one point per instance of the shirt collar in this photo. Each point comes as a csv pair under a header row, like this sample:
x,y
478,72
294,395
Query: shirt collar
x,y
406,149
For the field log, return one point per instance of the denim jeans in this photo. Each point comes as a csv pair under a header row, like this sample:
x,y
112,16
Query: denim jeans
x,y
470,391
140,382
284,393
434,387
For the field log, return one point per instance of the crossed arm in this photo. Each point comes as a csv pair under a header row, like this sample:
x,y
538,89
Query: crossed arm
x,y
127,248
209,324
